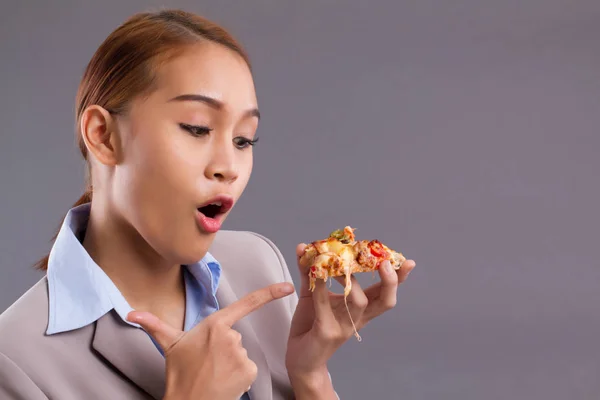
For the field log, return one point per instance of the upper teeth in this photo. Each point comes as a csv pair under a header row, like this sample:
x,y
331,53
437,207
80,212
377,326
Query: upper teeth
x,y
218,203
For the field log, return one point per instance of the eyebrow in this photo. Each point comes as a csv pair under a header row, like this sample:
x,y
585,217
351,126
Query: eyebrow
x,y
212,102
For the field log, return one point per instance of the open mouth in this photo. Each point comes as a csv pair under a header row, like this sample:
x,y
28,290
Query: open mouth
x,y
211,210
216,207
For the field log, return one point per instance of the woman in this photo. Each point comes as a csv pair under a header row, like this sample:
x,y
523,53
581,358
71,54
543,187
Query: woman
x,y
166,119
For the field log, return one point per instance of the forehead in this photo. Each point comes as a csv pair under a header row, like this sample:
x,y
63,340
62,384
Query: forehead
x,y
209,69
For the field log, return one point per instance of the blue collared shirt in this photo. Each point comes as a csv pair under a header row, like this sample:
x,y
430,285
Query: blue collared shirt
x,y
80,292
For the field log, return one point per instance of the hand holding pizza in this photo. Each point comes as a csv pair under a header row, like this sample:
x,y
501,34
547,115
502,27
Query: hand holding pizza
x,y
323,320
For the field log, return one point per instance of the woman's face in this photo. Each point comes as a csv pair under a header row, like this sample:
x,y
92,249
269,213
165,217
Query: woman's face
x,y
184,146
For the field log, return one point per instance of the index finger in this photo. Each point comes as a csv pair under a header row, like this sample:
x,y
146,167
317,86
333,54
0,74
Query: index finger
x,y
253,301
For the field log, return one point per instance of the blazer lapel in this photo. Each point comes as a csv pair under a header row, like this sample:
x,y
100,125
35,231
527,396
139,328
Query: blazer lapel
x,y
262,387
132,352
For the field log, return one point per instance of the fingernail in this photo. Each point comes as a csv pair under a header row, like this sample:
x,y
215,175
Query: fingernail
x,y
286,289
133,318
136,316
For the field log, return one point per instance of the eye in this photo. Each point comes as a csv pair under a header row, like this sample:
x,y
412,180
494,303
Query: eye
x,y
196,130
243,143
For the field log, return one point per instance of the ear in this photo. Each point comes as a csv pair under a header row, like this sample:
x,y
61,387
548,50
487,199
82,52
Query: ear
x,y
100,134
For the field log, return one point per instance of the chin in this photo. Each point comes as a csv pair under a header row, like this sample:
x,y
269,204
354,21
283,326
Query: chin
x,y
195,251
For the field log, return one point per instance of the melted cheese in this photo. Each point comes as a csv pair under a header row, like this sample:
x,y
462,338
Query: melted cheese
x,y
331,257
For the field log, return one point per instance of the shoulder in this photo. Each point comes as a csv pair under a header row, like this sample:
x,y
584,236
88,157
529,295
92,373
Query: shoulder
x,y
251,261
15,383
234,249
23,328
22,332
252,242
26,318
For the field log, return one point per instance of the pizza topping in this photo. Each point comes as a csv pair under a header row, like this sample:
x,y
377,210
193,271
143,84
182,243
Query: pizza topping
x,y
377,249
341,255
345,235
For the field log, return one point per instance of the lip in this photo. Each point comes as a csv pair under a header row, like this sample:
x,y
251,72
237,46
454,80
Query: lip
x,y
225,200
212,225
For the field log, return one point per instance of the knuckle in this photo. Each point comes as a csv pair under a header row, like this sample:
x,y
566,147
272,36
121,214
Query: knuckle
x,y
211,322
361,302
240,357
233,336
238,351
215,329
389,303
251,370
331,335
340,337
237,336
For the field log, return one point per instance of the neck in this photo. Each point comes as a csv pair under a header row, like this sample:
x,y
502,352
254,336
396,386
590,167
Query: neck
x,y
147,281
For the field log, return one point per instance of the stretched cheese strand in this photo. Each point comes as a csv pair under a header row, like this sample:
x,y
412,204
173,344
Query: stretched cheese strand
x,y
347,290
322,262
347,257
341,248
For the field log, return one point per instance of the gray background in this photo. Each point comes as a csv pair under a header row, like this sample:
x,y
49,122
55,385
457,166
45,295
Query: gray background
x,y
468,130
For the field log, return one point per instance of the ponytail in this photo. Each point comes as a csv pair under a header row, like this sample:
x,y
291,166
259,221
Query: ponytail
x,y
126,63
42,264
85,198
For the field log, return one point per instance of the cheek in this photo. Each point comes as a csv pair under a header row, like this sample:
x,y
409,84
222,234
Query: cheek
x,y
155,192
156,166
244,173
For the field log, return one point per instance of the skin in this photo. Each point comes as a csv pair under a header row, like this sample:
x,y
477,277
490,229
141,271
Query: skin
x,y
142,158
320,324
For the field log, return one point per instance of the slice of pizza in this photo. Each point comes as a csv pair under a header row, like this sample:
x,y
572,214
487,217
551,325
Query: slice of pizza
x,y
341,255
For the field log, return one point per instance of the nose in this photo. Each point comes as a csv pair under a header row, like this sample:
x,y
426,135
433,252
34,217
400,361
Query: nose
x,y
222,166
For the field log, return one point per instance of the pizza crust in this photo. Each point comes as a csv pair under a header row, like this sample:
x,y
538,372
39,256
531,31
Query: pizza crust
x,y
334,257
341,255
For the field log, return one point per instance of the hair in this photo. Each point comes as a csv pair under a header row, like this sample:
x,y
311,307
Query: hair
x,y
124,67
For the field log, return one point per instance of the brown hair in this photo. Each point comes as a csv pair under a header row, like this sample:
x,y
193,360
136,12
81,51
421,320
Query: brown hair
x,y
125,64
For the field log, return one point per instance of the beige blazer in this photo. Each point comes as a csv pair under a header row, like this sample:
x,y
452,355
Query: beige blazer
x,y
113,360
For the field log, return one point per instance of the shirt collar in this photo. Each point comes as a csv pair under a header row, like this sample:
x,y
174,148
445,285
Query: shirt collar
x,y
80,292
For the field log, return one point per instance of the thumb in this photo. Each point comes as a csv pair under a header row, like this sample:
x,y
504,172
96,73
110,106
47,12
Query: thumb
x,y
303,267
300,249
164,334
